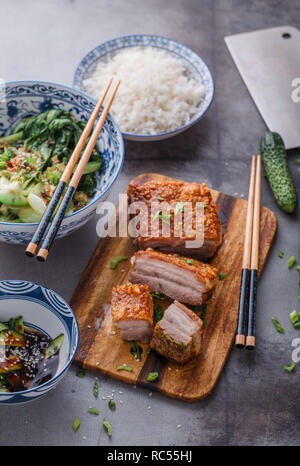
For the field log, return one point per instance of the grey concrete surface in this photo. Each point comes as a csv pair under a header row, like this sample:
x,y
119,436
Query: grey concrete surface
x,y
255,401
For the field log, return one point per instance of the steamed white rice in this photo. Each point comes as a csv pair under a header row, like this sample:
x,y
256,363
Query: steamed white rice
x,y
156,95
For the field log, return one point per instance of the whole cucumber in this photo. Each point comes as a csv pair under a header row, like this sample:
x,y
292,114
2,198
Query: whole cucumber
x,y
277,171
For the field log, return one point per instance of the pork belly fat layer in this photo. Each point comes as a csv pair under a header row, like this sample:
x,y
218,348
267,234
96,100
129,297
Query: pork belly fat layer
x,y
174,192
174,276
132,311
178,335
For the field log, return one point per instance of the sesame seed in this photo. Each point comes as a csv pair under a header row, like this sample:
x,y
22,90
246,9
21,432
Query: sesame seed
x,y
179,426
150,394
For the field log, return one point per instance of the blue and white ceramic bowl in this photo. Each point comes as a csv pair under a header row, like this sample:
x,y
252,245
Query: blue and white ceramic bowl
x,y
22,98
45,310
195,66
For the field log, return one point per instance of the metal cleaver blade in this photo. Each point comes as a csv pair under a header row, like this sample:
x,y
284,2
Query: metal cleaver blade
x,y
269,63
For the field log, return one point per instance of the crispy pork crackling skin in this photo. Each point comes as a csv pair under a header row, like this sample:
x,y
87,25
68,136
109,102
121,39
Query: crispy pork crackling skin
x,y
187,280
178,335
132,311
174,239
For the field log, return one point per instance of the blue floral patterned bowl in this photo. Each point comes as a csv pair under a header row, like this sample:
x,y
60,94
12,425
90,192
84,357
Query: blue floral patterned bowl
x,y
42,309
195,66
22,98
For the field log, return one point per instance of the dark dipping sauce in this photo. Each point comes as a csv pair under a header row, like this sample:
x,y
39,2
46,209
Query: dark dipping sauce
x,y
36,370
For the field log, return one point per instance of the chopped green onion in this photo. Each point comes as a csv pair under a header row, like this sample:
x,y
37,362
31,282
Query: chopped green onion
x,y
295,317
112,405
114,262
152,376
76,424
188,261
277,325
181,343
148,350
124,368
160,285
179,207
222,276
199,205
280,254
291,262
158,312
107,427
160,198
135,349
290,368
163,216
156,216
96,389
94,411
158,296
80,372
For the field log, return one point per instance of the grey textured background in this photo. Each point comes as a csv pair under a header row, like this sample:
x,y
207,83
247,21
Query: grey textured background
x,y
255,401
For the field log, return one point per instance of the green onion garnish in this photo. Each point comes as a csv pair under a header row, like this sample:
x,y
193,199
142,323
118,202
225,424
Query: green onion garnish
x,y
290,368
291,262
114,262
222,276
80,372
294,317
158,296
135,349
112,405
158,312
76,424
124,368
96,389
148,350
280,254
179,207
107,427
188,261
277,325
94,411
152,376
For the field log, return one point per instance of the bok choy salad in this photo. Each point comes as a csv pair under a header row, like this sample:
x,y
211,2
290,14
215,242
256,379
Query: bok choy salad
x,y
32,160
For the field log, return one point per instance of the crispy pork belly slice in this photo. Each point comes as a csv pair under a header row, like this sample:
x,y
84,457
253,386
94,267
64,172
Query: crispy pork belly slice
x,y
158,195
178,277
178,335
132,311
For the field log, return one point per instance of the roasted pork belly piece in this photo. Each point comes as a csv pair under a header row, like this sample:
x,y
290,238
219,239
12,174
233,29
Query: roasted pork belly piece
x,y
132,311
164,202
187,280
177,336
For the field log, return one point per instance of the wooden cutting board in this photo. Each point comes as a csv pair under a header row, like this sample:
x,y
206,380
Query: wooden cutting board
x,y
101,351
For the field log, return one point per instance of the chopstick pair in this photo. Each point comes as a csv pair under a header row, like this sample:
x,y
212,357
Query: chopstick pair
x,y
246,325
68,196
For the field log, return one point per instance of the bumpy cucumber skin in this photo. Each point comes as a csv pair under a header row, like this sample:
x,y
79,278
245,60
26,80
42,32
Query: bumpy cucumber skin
x,y
277,171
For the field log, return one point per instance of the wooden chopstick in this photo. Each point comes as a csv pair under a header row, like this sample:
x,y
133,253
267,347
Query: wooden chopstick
x,y
245,274
54,227
39,232
250,339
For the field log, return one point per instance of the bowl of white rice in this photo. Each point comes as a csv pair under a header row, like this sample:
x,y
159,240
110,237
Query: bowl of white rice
x,y
165,86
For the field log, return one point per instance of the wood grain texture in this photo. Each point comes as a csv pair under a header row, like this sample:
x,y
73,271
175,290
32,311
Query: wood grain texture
x,y
101,351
